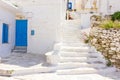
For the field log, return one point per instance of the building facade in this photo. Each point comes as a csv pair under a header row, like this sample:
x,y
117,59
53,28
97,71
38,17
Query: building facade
x,y
44,20
7,28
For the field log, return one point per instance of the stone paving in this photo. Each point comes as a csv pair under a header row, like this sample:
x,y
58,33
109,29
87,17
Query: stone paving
x,y
53,76
24,60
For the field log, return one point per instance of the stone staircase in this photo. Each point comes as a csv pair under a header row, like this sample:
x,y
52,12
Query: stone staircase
x,y
79,60
19,49
75,57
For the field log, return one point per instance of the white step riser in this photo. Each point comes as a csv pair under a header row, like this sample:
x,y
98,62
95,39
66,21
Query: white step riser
x,y
70,54
33,71
72,66
70,36
74,44
80,54
74,33
69,40
71,32
82,60
70,27
75,72
85,71
75,50
69,44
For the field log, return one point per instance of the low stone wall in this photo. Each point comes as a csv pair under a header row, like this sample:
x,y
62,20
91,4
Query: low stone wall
x,y
108,43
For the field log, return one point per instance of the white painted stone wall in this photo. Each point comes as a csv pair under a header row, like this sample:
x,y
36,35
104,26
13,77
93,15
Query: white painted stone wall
x,y
8,18
46,21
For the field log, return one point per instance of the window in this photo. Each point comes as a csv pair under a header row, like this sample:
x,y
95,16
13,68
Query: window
x,y
32,32
5,33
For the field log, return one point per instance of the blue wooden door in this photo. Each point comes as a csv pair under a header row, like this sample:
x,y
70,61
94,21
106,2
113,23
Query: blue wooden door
x,y
69,5
21,33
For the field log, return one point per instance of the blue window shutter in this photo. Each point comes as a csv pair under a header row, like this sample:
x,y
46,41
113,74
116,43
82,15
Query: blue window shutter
x,y
5,33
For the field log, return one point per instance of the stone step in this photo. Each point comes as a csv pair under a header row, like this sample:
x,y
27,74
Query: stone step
x,y
20,47
68,40
20,51
70,37
70,44
68,32
71,65
71,25
75,49
74,23
79,54
70,29
74,44
26,71
57,46
79,71
70,22
34,71
81,59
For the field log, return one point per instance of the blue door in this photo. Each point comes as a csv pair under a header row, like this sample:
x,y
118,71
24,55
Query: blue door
x,y
21,33
69,5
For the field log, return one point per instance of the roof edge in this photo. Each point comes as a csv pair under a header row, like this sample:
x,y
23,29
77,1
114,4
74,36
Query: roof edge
x,y
9,6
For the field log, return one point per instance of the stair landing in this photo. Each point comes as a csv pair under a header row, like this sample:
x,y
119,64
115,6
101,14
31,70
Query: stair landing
x,y
23,64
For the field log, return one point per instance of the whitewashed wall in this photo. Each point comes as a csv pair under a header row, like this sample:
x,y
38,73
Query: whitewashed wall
x,y
115,5
47,16
8,18
46,20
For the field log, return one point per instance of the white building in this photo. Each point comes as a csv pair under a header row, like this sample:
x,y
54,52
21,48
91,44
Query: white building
x,y
7,34
44,19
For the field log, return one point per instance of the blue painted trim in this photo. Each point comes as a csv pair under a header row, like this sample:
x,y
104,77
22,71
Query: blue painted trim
x,y
5,33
